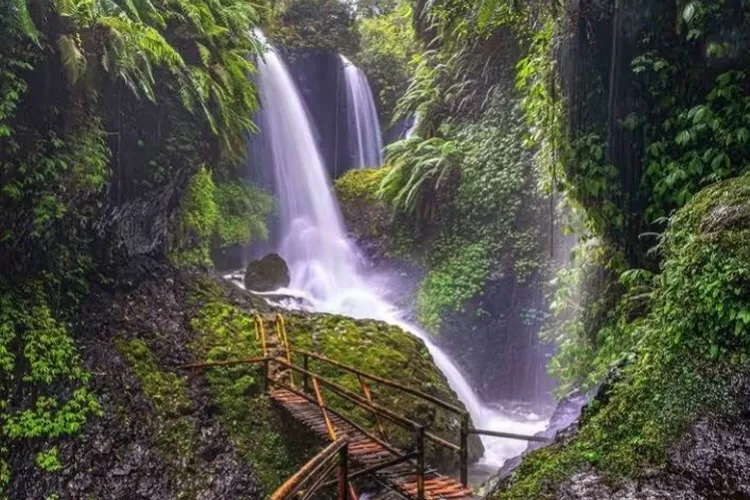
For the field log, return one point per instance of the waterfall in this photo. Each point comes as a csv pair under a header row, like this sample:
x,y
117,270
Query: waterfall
x,y
365,138
324,264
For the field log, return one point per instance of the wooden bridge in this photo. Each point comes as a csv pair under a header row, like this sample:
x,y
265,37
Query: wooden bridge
x,y
355,452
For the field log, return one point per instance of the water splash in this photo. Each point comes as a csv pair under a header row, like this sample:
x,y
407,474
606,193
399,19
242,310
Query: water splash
x,y
324,264
365,137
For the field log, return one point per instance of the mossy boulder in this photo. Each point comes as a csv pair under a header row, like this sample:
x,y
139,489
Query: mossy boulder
x,y
267,274
387,351
225,331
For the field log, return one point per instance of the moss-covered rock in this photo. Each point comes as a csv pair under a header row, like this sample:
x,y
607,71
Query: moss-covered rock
x,y
225,331
389,352
381,234
267,274
688,371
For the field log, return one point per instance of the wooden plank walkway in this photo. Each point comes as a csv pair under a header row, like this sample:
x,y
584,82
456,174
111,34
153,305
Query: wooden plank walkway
x,y
366,452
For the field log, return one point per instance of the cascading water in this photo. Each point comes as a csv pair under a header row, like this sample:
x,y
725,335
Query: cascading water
x,y
365,138
324,264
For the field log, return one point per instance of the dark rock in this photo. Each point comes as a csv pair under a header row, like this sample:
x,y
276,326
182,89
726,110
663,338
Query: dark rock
x,y
711,461
267,274
563,425
118,456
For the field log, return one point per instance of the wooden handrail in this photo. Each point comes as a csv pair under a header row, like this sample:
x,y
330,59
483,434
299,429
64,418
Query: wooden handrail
x,y
314,468
311,470
510,435
343,417
375,468
260,333
355,398
386,382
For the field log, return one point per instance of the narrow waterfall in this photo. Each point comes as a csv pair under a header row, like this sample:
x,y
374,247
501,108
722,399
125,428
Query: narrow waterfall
x,y
365,138
324,264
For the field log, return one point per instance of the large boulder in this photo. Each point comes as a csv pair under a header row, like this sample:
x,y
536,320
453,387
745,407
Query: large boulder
x,y
267,274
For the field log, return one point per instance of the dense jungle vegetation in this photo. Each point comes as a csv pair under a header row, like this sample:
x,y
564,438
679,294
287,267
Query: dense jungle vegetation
x,y
123,132
122,128
608,120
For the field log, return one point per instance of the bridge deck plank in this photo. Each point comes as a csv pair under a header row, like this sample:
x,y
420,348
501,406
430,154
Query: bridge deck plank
x,y
366,452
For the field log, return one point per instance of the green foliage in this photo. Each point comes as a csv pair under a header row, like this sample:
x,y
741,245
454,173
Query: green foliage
x,y
694,126
360,184
49,460
478,186
452,283
197,219
419,167
388,55
242,212
688,352
318,24
39,357
700,145
141,39
228,213
63,168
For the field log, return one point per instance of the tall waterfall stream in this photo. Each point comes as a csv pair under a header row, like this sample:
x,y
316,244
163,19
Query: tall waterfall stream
x,y
325,266
365,138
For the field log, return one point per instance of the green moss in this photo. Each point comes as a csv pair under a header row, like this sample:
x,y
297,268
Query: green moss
x,y
221,214
167,393
371,218
360,184
224,332
688,355
197,218
386,351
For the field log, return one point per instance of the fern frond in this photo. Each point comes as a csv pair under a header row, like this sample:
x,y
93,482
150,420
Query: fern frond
x,y
73,61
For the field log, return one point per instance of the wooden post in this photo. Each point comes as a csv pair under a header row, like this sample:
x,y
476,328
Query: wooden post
x,y
281,333
368,395
465,449
322,404
420,463
305,376
343,473
260,333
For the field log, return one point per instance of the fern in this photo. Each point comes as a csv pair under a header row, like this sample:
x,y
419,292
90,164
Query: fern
x,y
73,61
20,14
418,169
215,86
